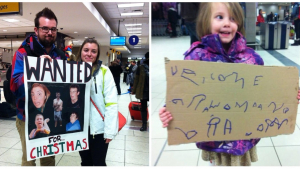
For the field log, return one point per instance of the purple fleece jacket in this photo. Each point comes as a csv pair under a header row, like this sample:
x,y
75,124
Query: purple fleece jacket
x,y
210,49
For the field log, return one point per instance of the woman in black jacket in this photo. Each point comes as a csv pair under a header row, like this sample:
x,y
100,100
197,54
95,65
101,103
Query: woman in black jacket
x,y
141,89
116,70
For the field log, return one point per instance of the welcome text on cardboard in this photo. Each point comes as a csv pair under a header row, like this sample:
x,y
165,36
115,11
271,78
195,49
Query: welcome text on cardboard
x,y
212,101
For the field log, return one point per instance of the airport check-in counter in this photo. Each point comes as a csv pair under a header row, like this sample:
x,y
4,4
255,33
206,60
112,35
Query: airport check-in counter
x,y
275,35
268,35
283,35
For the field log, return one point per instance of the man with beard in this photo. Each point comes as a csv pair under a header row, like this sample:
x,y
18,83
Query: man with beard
x,y
39,44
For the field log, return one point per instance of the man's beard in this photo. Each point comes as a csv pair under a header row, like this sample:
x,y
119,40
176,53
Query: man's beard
x,y
46,43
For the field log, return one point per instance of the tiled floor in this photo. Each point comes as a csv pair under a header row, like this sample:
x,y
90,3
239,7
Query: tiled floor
x,y
283,150
129,148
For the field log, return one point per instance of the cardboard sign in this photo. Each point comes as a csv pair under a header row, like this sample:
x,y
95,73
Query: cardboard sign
x,y
57,99
212,101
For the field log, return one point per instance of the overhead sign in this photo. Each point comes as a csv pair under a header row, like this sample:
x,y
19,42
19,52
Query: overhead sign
x,y
57,99
117,40
212,101
133,40
10,8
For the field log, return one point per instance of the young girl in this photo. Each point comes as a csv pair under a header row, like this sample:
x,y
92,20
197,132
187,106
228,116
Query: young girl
x,y
221,26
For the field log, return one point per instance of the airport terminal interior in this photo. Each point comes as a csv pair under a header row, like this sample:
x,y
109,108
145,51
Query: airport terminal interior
x,y
100,21
272,40
282,150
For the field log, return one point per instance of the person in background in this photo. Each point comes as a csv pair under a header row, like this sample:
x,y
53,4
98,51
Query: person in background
x,y
40,44
286,18
173,20
183,28
116,71
141,89
189,12
126,68
104,94
134,68
260,18
270,17
295,16
131,75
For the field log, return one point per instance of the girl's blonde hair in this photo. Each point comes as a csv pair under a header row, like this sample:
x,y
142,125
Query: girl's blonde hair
x,y
203,25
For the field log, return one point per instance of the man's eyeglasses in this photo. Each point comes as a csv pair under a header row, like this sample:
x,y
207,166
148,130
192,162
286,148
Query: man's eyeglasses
x,y
46,29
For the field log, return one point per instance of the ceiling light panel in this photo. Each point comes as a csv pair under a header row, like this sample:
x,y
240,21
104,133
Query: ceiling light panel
x,y
130,5
131,29
131,13
135,24
135,32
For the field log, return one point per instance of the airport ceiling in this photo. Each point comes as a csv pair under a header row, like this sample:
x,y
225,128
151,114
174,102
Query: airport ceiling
x,y
97,19
275,3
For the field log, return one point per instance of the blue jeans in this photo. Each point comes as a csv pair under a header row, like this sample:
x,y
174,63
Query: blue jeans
x,y
191,26
184,30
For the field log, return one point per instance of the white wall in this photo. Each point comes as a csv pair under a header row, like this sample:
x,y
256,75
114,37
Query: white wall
x,y
103,57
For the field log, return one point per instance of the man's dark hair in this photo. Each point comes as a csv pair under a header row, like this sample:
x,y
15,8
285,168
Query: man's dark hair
x,y
47,13
75,86
75,114
134,61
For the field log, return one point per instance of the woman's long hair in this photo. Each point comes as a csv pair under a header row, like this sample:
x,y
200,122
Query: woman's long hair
x,y
78,56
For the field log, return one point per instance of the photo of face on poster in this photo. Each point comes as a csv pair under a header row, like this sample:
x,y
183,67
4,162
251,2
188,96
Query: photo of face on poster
x,y
39,96
55,109
75,101
74,123
42,128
